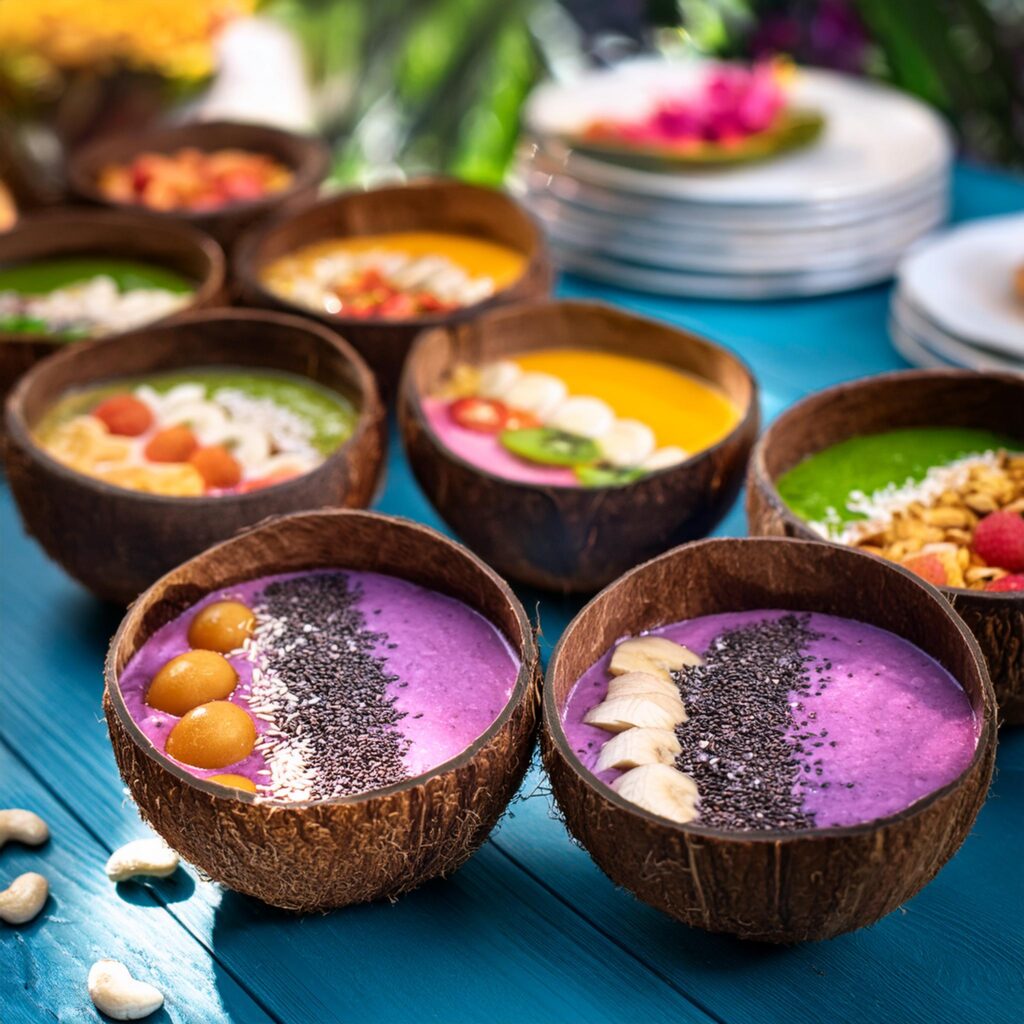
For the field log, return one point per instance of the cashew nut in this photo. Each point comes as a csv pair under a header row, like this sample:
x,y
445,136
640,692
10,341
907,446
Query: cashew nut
x,y
23,827
117,994
142,857
23,898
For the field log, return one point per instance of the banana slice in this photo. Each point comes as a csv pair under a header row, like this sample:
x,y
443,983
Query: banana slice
x,y
248,443
660,789
631,683
671,455
635,747
496,378
207,421
538,393
653,654
583,416
651,711
627,444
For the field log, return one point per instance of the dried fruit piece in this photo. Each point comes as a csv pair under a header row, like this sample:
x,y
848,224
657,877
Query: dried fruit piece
x,y
928,567
217,466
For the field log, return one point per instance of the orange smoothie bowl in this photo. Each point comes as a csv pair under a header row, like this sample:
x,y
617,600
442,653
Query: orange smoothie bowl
x,y
576,523
471,228
119,523
150,163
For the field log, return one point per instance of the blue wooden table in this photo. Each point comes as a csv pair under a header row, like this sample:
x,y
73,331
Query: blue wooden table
x,y
529,930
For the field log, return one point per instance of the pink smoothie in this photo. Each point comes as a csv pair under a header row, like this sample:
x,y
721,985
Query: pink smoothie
x,y
480,450
446,673
875,725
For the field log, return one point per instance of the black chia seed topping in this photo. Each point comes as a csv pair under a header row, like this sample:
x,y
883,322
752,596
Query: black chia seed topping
x,y
332,728
749,744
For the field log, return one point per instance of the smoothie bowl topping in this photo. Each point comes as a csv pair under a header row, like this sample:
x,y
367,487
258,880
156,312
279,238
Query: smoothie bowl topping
x,y
191,179
394,276
209,431
70,299
947,503
572,417
783,721
318,685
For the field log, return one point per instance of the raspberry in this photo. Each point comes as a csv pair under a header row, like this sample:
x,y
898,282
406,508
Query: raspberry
x,y
928,567
1015,581
999,540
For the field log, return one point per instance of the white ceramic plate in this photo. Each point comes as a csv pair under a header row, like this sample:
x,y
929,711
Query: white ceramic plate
x,y
876,140
719,286
529,179
914,352
648,243
963,282
940,344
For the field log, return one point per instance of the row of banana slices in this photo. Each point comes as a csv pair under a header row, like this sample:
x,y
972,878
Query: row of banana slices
x,y
624,443
642,709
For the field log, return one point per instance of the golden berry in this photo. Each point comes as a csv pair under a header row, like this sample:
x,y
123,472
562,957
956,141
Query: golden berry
x,y
234,781
191,679
221,626
212,735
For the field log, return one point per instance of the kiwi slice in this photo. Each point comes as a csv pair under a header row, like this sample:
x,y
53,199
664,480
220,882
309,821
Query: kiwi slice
x,y
607,476
550,447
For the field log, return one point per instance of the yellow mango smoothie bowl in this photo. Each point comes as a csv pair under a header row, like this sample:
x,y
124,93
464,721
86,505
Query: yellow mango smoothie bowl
x,y
566,441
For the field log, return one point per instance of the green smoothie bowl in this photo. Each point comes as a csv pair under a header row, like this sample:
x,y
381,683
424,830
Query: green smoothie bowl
x,y
70,275
924,468
128,455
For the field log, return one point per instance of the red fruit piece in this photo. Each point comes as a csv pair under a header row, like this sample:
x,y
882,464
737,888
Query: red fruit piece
x,y
173,444
928,567
999,540
124,414
1007,584
217,466
480,414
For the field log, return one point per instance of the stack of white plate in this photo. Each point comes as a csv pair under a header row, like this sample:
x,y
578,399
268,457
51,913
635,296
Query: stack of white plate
x,y
955,303
834,215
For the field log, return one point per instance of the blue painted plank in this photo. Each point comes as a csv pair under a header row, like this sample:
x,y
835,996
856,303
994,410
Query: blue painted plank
x,y
44,963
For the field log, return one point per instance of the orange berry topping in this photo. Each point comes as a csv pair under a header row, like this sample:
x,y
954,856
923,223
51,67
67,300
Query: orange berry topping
x,y
124,414
234,781
212,735
217,466
173,444
221,626
189,680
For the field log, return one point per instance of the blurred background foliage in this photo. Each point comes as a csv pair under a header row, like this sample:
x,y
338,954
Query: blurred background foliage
x,y
405,88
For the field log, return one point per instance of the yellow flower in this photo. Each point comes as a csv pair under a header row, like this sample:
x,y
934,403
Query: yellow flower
x,y
171,37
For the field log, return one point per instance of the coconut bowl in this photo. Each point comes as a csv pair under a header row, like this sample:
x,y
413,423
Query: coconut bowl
x,y
307,157
771,886
574,539
447,206
317,855
117,541
74,231
914,398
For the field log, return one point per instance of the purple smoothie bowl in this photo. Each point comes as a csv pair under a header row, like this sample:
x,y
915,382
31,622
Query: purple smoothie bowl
x,y
317,854
841,872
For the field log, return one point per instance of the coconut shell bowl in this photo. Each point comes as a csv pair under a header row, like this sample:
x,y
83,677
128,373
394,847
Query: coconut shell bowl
x,y
73,232
117,541
779,886
442,206
316,855
306,157
915,398
563,538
